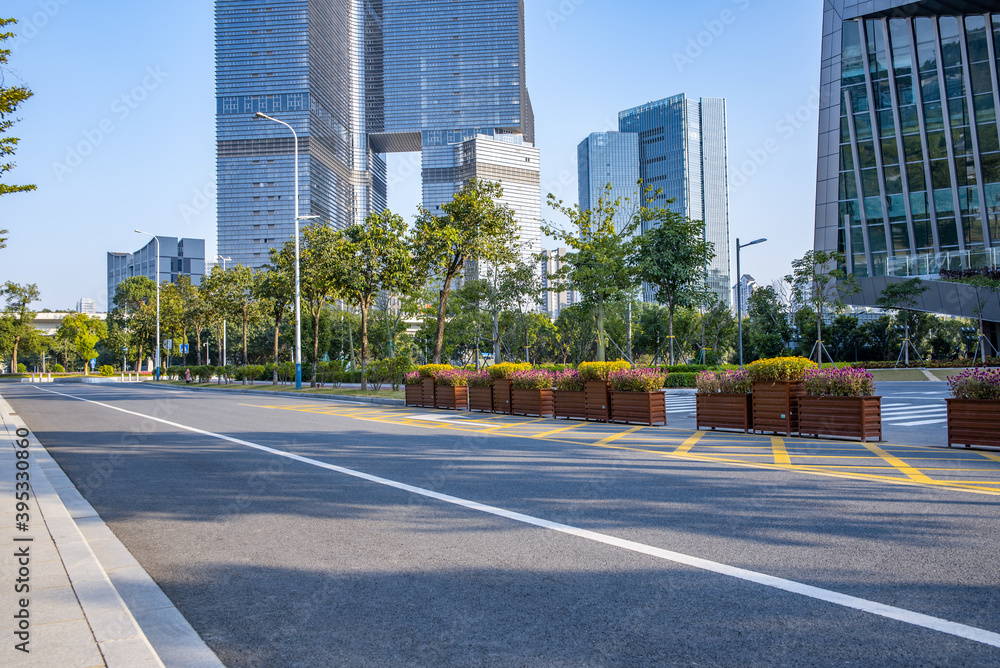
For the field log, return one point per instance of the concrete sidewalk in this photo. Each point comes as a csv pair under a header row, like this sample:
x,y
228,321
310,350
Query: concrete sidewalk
x,y
70,593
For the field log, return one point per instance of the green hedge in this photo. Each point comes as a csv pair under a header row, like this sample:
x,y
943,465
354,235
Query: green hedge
x,y
680,379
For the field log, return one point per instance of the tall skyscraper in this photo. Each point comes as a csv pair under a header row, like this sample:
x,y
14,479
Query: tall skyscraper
x,y
682,150
608,158
909,156
675,145
357,79
178,257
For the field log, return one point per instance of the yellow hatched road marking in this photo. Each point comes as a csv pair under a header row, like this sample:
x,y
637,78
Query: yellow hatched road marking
x,y
780,453
557,431
904,468
615,437
686,446
990,455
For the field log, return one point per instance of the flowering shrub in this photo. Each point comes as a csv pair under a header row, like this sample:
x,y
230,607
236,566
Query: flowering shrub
x,y
480,379
506,370
779,368
432,370
413,378
636,380
728,381
976,384
601,370
839,383
532,379
452,378
569,381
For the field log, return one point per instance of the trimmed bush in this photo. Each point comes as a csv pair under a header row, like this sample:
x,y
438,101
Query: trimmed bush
x,y
413,378
728,381
601,370
506,370
685,368
569,381
480,378
976,384
431,370
107,371
779,369
680,379
839,383
58,368
21,368
452,378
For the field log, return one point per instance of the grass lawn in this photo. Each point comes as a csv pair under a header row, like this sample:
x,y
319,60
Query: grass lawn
x,y
267,387
887,375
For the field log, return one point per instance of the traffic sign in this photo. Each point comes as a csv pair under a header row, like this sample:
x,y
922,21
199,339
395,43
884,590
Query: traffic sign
x,y
184,348
169,344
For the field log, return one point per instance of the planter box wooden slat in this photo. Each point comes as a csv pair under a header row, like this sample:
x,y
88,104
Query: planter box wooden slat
x,y
598,402
501,396
973,422
776,406
724,411
451,398
536,403
428,385
481,399
570,404
853,417
415,395
649,408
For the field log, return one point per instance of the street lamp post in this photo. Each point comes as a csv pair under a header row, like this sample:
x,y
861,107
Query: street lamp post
x,y
157,357
298,310
739,292
224,355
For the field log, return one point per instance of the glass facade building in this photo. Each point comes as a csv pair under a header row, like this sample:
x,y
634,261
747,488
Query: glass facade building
x,y
357,79
683,152
178,257
608,158
909,155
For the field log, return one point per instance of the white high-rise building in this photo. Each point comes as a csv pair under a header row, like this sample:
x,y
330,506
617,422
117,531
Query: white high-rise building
x,y
742,292
87,305
551,262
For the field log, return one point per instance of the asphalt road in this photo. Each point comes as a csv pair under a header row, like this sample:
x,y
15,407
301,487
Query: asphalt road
x,y
296,562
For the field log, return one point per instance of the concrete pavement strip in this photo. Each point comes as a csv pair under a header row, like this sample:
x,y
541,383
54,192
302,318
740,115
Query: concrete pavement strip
x,y
89,602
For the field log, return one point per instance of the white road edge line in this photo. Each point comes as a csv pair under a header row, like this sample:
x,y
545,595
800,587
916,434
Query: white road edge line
x,y
891,612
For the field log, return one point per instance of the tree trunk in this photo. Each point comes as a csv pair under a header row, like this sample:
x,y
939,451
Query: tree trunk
x,y
496,337
312,382
197,347
13,364
246,323
600,332
274,371
442,310
670,320
364,347
819,335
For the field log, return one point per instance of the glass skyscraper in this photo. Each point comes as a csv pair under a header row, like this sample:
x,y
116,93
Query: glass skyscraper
x,y
357,79
680,148
608,158
909,156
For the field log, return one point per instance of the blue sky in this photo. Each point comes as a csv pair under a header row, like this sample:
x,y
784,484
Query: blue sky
x,y
120,134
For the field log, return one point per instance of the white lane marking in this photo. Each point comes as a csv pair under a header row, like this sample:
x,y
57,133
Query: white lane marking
x,y
884,406
920,423
915,416
888,611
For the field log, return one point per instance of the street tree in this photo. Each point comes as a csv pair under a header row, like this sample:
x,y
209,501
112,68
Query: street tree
x,y
672,258
900,297
601,240
275,288
133,316
19,315
475,228
501,287
11,97
373,258
818,281
319,276
82,333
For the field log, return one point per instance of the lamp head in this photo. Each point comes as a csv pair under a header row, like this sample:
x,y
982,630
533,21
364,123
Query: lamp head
x,y
260,114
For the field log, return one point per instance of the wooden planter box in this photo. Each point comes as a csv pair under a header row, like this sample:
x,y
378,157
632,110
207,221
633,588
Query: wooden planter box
x,y
428,385
649,408
724,411
973,422
451,398
481,399
853,417
537,403
776,406
414,395
570,404
501,396
598,402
